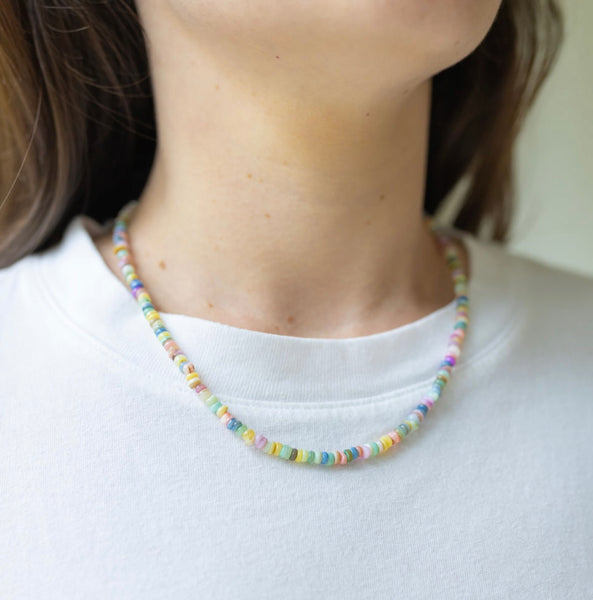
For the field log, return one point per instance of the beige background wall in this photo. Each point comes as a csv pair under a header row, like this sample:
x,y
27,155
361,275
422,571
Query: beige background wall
x,y
554,219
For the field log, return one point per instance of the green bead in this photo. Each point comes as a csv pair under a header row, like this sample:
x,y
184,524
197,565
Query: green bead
x,y
285,452
215,406
331,458
241,430
375,448
210,400
349,454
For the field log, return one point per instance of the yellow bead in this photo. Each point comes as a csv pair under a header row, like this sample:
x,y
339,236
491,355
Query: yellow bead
x,y
299,455
221,411
387,441
248,436
179,358
193,379
277,449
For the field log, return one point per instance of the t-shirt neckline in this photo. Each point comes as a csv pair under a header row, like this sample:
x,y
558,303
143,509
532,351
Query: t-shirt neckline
x,y
251,366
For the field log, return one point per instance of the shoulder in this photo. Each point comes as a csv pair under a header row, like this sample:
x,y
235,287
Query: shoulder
x,y
549,288
555,305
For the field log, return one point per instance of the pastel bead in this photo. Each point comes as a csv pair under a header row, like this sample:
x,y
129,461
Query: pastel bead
x,y
214,408
188,368
211,400
193,379
204,394
394,436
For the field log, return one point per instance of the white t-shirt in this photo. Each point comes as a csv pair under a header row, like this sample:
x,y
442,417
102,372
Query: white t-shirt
x,y
116,481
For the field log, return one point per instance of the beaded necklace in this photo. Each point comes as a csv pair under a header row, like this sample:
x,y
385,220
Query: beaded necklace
x,y
121,249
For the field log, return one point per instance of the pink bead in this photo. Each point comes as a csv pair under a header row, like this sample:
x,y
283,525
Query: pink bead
x,y
366,451
199,388
260,441
343,458
174,348
428,402
394,435
226,417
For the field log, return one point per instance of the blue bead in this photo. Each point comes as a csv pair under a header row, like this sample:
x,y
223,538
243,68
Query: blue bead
x,y
323,458
159,330
354,453
231,422
236,425
423,408
135,283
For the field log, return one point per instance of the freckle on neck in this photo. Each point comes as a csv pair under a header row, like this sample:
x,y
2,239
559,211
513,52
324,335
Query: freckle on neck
x,y
162,264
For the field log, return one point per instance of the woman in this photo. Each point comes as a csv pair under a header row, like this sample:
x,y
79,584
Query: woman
x,y
280,255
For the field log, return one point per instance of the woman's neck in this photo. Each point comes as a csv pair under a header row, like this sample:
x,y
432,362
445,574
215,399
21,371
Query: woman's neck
x,y
287,211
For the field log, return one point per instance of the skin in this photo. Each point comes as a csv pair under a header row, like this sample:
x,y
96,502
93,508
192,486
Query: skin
x,y
286,192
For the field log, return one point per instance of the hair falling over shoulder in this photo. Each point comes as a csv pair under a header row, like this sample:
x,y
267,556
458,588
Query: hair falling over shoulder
x,y
78,133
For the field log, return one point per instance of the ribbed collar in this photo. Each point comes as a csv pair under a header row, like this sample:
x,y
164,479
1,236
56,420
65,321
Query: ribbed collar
x,y
245,364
